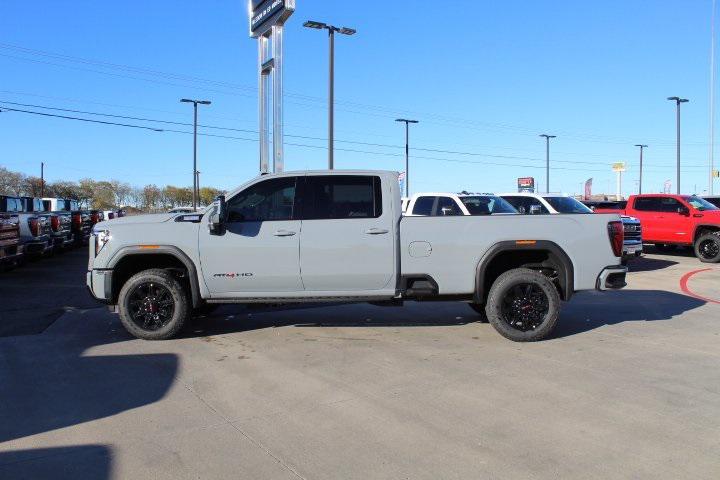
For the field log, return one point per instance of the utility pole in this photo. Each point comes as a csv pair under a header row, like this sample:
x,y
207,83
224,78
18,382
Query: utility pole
x,y
407,153
197,183
641,160
678,101
331,81
195,105
712,101
42,179
547,160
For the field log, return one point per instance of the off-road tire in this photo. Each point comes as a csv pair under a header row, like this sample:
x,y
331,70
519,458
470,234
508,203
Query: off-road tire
x,y
480,310
504,288
181,304
707,247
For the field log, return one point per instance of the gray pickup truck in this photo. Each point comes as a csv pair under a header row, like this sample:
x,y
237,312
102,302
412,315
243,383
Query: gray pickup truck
x,y
340,236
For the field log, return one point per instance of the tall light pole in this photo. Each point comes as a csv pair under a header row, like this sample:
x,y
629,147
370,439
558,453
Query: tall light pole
x,y
331,93
197,183
547,160
195,105
641,159
712,100
678,101
407,153
42,179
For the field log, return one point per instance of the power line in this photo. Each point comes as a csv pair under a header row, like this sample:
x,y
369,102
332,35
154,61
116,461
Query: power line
x,y
81,119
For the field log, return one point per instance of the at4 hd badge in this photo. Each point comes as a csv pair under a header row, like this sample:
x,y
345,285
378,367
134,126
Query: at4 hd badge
x,y
233,275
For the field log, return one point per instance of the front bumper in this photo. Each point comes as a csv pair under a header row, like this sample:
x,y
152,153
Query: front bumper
x,y
611,278
99,283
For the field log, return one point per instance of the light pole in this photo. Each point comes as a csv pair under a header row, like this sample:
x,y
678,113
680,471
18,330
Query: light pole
x,y
407,153
197,183
195,105
331,93
547,160
641,153
678,101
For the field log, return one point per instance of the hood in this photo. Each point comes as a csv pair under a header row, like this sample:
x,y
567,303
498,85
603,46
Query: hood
x,y
712,216
136,220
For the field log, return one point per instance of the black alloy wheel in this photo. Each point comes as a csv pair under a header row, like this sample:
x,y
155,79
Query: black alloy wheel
x,y
525,307
151,306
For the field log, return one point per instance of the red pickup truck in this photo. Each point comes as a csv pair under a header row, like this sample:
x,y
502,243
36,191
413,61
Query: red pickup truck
x,y
670,220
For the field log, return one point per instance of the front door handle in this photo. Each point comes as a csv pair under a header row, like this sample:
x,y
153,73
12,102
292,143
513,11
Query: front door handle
x,y
284,233
376,231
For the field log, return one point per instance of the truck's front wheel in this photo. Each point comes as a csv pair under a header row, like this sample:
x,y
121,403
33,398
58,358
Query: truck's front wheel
x,y
153,305
523,305
707,247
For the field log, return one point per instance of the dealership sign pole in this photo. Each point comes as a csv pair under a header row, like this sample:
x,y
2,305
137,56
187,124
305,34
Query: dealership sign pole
x,y
267,18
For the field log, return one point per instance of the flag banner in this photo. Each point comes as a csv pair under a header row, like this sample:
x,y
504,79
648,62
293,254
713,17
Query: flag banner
x,y
588,189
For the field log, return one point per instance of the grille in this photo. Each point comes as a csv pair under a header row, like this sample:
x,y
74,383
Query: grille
x,y
633,232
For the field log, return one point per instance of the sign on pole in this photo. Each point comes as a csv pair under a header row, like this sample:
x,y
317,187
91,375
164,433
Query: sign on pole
x,y
526,184
266,20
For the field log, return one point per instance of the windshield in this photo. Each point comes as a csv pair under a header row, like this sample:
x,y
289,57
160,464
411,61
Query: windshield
x,y
486,205
700,203
567,205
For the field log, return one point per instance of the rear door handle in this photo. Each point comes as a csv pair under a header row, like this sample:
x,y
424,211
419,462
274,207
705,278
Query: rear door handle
x,y
284,233
376,231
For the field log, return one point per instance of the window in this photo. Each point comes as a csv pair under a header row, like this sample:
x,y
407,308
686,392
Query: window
x,y
486,205
341,196
446,206
648,204
700,203
567,205
265,201
423,206
522,204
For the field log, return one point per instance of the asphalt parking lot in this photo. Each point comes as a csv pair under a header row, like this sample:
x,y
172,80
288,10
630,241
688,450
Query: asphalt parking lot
x,y
628,387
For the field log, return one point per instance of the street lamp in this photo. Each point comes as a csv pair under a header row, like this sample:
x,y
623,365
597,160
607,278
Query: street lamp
x,y
678,101
641,152
547,160
407,153
195,104
331,95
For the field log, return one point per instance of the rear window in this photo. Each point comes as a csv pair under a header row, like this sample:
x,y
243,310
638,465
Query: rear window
x,y
567,205
341,196
423,206
486,205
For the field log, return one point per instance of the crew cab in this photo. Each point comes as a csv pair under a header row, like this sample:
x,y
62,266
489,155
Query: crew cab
x,y
463,203
339,236
34,228
11,251
60,233
556,203
671,220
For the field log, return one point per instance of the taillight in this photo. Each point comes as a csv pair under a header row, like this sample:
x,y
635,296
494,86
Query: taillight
x,y
617,237
55,223
94,218
34,224
77,219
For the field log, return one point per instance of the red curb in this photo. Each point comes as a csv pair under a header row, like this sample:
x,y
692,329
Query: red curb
x,y
684,286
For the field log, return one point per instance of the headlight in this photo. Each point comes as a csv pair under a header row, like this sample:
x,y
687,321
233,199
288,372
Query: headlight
x,y
102,237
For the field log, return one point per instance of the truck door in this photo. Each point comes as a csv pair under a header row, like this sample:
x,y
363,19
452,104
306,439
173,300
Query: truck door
x,y
258,251
649,211
348,235
677,224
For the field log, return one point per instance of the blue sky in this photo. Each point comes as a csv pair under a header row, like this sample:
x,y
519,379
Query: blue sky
x,y
483,78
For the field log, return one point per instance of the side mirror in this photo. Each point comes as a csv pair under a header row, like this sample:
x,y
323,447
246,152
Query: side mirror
x,y
534,209
218,217
683,211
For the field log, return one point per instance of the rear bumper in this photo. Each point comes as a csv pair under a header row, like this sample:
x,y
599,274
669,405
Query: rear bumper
x,y
99,283
11,254
632,249
611,278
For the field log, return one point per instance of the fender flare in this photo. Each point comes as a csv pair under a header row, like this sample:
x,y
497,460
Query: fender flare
x,y
567,282
134,250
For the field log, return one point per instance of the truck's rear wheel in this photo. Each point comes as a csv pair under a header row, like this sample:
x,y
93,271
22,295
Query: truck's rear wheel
x,y
523,305
707,247
153,305
480,309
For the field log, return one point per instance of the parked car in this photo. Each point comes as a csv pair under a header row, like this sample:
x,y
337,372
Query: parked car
x,y
11,250
672,220
555,203
464,203
60,231
714,199
81,220
339,236
35,229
